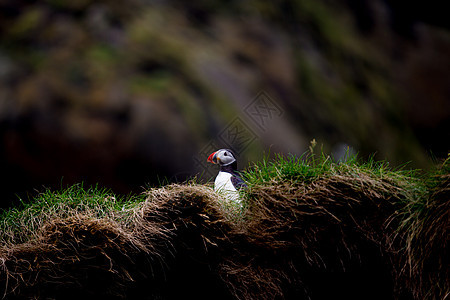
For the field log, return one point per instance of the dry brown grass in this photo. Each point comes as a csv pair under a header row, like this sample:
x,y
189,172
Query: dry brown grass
x,y
427,234
344,235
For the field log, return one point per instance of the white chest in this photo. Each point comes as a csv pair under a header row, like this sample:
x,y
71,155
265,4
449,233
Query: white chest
x,y
223,184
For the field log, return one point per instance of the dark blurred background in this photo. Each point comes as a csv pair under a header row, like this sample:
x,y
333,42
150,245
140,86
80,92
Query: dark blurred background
x,y
127,93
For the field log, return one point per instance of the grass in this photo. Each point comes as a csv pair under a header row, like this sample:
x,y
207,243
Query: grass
x,y
21,224
301,215
310,167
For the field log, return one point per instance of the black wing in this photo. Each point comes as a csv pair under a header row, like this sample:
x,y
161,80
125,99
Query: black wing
x,y
237,182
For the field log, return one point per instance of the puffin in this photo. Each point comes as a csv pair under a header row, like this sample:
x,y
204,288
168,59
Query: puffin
x,y
228,180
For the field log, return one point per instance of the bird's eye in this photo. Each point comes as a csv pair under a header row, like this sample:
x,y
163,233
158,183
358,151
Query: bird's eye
x,y
225,154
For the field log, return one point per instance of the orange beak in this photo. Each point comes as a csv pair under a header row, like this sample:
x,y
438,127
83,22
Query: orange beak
x,y
212,158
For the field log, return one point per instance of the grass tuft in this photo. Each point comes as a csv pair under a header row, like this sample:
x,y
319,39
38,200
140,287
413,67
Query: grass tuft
x,y
21,224
307,222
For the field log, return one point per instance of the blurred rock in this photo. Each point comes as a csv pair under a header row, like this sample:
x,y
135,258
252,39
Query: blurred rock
x,y
125,93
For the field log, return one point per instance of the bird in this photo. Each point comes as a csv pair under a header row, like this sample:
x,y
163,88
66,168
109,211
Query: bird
x,y
228,181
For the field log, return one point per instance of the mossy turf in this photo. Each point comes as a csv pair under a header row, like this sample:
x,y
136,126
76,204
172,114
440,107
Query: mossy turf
x,y
307,222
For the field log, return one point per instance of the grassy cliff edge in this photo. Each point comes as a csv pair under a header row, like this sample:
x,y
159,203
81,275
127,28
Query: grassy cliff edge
x,y
309,228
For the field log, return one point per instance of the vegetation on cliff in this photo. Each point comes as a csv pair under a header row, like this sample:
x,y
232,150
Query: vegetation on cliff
x,y
310,227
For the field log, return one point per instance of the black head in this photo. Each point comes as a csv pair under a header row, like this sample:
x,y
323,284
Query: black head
x,y
222,157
